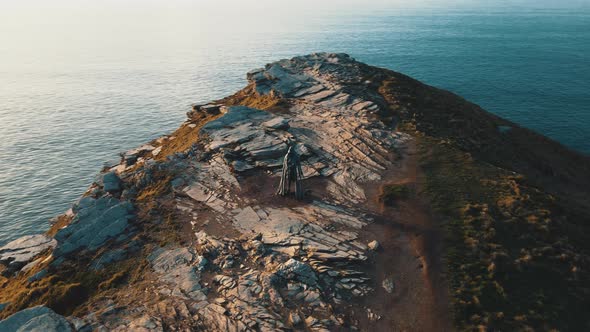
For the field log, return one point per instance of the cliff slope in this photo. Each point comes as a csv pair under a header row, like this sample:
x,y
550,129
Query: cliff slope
x,y
421,212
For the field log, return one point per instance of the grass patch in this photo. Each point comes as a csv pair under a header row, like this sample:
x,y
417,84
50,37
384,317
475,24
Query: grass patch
x,y
250,98
60,222
515,209
67,288
60,296
116,280
185,136
509,264
156,189
393,193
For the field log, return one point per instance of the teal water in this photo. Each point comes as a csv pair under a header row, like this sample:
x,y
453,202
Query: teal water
x,y
76,91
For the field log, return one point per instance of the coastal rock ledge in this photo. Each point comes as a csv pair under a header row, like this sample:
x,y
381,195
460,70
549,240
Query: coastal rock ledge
x,y
420,212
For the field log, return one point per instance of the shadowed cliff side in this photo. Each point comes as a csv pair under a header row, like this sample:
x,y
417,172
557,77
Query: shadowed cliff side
x,y
515,204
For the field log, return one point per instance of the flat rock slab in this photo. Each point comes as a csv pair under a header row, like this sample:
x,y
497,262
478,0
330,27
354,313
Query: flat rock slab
x,y
234,115
21,251
95,222
297,270
277,123
38,319
179,268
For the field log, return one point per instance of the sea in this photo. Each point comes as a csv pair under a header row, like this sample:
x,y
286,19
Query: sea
x,y
79,85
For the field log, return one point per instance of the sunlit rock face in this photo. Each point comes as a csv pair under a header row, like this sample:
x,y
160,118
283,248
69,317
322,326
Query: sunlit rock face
x,y
16,254
402,192
251,260
95,222
308,256
36,319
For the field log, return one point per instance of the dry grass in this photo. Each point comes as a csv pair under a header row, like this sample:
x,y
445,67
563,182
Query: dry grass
x,y
52,292
156,189
508,257
185,137
61,222
64,290
117,279
515,209
250,98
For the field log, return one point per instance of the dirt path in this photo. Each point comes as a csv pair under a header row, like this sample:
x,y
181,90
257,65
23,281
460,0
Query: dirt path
x,y
410,256
410,253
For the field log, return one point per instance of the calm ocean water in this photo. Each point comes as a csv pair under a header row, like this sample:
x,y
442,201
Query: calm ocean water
x,y
76,92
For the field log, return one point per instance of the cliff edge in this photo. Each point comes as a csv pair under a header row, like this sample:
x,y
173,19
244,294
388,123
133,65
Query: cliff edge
x,y
420,211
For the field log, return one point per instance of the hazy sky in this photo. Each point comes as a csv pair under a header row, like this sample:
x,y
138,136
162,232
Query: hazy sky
x,y
28,11
33,29
14,14
282,5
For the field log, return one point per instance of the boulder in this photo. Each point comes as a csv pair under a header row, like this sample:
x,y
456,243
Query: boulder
x,y
36,319
211,109
374,245
388,285
111,182
131,156
146,323
157,151
294,319
196,107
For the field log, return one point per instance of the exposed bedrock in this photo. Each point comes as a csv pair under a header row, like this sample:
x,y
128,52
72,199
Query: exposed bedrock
x,y
290,266
250,260
187,232
36,319
95,222
279,265
16,254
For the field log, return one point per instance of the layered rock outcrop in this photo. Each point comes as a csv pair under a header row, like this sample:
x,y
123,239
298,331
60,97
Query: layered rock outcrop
x,y
187,233
16,254
36,319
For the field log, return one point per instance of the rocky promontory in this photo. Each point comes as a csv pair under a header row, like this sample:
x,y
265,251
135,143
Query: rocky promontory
x,y
419,211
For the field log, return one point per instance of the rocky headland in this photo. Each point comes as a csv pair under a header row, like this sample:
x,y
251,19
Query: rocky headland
x,y
419,212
